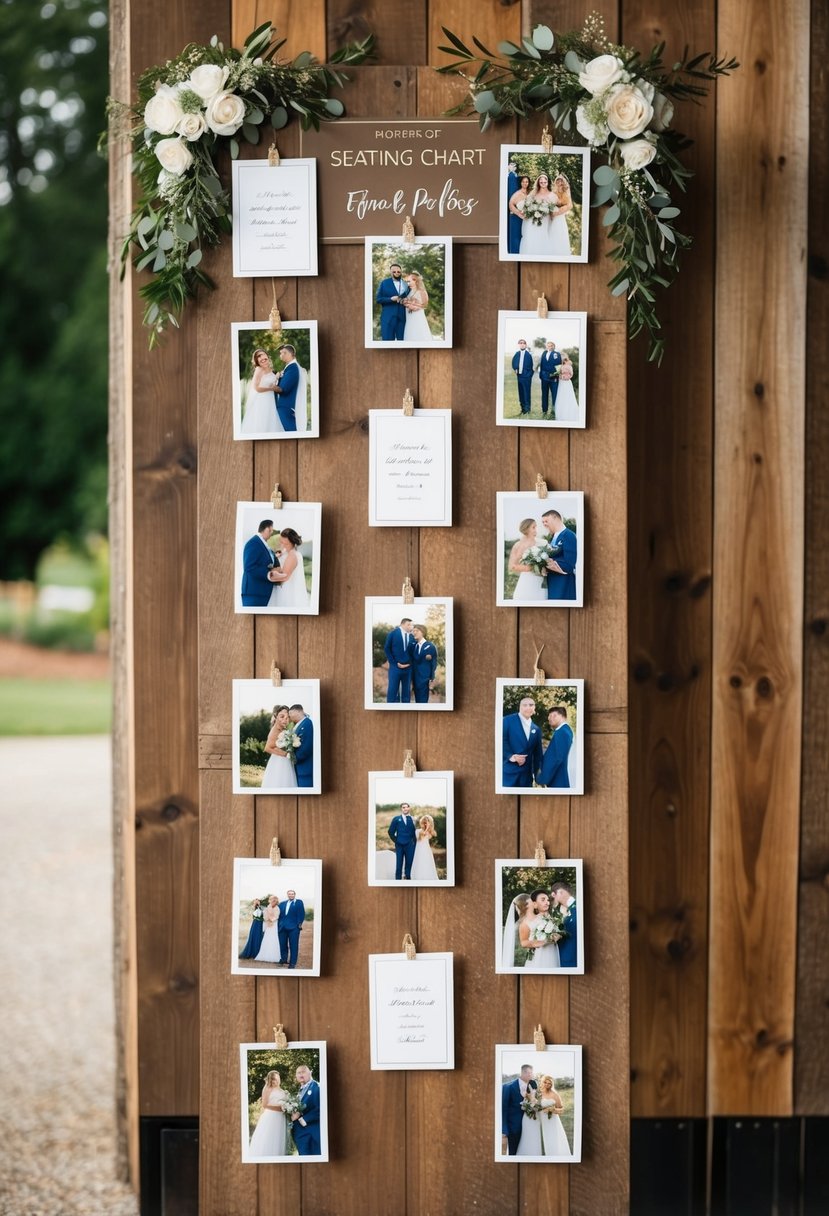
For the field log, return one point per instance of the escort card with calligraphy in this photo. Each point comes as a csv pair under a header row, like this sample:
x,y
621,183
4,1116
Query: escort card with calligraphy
x,y
410,469
412,1016
274,218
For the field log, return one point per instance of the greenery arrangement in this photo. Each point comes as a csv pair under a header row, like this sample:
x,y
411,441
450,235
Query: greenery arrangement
x,y
189,109
621,103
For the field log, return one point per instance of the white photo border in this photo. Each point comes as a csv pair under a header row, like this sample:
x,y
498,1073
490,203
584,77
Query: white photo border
x,y
448,777
504,682
551,863
444,343
284,868
284,693
575,499
559,149
531,317
237,327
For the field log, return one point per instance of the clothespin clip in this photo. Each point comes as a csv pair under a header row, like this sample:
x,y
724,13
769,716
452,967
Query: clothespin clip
x,y
409,767
276,318
408,404
408,591
539,1042
546,140
276,497
274,160
409,948
540,486
540,855
276,675
542,307
279,1036
409,234
275,855
539,678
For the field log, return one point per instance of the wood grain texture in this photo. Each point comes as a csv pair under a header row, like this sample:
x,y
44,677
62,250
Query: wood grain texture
x,y
671,453
812,1022
301,24
490,23
399,28
758,558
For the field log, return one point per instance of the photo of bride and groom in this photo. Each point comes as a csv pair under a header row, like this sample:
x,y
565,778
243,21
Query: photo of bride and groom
x,y
277,567
540,550
542,364
538,1104
284,1103
538,928
410,833
408,292
275,380
276,917
539,743
277,743
542,198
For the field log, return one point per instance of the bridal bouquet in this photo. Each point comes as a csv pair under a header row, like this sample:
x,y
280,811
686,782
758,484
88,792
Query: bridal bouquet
x,y
288,741
547,929
529,1107
292,1106
536,557
537,210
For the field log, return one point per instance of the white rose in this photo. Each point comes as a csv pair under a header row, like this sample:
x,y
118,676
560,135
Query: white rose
x,y
225,113
191,126
628,111
594,133
600,73
637,153
663,112
175,156
163,113
207,80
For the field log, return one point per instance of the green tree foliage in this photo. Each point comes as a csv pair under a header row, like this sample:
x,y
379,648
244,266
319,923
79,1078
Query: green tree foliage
x,y
518,879
430,263
265,339
545,699
253,733
53,310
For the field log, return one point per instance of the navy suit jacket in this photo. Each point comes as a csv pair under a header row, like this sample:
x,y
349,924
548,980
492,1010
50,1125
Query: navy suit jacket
x,y
563,586
529,369
257,561
425,662
511,1113
398,647
296,917
568,947
402,833
516,743
554,765
388,289
307,1139
305,752
548,364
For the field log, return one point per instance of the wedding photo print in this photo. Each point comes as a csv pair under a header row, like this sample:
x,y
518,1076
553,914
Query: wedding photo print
x,y
539,738
538,925
409,655
284,1105
277,567
540,549
277,917
538,1103
408,292
277,742
545,204
542,368
411,829
275,380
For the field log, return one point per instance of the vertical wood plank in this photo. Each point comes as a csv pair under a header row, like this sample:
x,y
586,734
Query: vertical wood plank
x,y
758,558
671,453
490,23
301,24
812,1022
399,28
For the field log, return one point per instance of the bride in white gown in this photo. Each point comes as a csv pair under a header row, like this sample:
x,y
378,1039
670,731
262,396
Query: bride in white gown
x,y
544,954
260,416
509,941
289,590
530,586
559,234
269,950
544,1136
417,326
423,866
535,236
567,406
270,1136
280,773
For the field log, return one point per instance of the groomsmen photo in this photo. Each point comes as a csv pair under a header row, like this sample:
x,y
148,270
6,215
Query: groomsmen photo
x,y
408,654
539,741
541,377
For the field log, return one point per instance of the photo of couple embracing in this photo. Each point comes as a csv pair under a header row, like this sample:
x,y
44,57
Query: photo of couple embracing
x,y
537,926
277,737
275,380
538,1103
540,550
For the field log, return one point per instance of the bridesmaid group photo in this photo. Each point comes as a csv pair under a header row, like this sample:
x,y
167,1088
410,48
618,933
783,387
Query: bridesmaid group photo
x,y
408,292
542,369
277,742
277,558
277,914
538,1103
411,829
284,1106
538,925
545,204
275,380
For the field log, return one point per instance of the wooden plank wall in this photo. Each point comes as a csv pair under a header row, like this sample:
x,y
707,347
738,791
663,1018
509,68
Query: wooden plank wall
x,y
719,462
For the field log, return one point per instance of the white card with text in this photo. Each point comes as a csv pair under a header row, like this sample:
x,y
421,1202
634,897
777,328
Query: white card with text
x,y
274,218
410,469
412,1014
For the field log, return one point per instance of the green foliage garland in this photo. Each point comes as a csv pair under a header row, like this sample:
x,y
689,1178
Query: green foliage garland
x,y
205,99
621,104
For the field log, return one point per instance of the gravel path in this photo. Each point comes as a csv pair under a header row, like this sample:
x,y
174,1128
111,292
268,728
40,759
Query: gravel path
x,y
57,1112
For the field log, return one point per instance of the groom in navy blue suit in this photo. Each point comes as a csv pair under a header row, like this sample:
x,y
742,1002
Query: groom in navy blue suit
x,y
304,754
306,1127
390,296
553,771
548,368
398,648
291,917
286,389
521,749
561,570
522,365
568,947
402,831
512,1095
258,559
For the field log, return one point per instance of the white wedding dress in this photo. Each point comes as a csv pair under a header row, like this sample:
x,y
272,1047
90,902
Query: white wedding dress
x,y
567,406
535,238
559,238
417,327
279,774
530,587
549,1128
260,416
423,866
269,950
543,958
293,593
270,1136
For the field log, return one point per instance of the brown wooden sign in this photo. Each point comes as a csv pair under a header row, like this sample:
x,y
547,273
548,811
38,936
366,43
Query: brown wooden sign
x,y
374,172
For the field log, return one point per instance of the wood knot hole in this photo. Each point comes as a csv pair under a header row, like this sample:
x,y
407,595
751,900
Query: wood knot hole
x,y
765,688
170,812
735,682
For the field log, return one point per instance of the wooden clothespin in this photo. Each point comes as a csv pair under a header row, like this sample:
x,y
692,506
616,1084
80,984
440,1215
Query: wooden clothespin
x,y
276,675
276,317
409,233
274,160
275,855
540,486
408,404
546,140
279,1036
409,948
540,855
276,497
539,678
408,591
539,1042
542,307
409,767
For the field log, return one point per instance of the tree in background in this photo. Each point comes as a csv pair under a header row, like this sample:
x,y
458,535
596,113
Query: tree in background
x,y
53,309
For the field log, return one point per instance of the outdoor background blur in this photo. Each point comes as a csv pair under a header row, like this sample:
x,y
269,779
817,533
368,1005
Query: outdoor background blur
x,y
54,585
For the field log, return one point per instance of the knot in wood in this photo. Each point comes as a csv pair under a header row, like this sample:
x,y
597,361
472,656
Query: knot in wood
x,y
765,688
170,812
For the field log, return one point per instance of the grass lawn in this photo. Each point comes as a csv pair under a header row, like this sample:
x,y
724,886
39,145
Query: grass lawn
x,y
54,707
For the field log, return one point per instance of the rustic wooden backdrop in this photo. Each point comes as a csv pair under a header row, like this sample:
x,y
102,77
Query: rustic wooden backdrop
x,y
702,525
